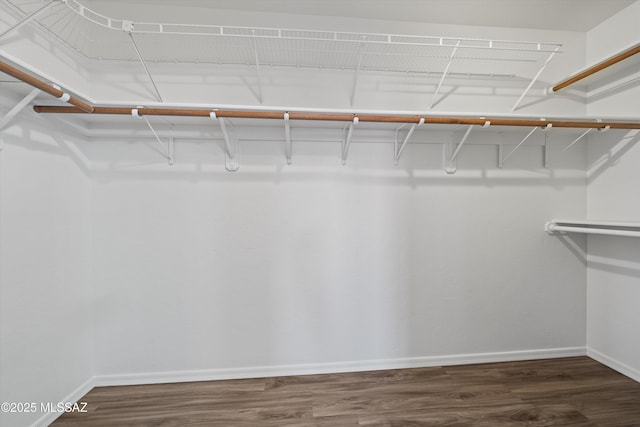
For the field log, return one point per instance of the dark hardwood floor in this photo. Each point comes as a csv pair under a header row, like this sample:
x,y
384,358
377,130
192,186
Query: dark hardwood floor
x,y
559,392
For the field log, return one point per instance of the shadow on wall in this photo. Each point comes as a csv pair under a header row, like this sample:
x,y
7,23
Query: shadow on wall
x,y
38,136
614,254
313,161
607,151
577,244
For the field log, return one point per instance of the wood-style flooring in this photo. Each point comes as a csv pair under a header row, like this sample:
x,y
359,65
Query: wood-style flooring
x,y
559,392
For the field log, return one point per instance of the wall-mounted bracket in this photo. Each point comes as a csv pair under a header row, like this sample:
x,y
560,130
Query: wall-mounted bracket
x,y
449,166
287,138
231,149
171,151
583,134
167,151
257,59
127,26
502,159
535,78
347,140
356,74
546,152
29,17
575,141
444,74
399,150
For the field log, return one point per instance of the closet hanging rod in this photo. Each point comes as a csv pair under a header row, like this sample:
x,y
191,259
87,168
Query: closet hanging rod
x,y
598,67
45,87
80,107
342,117
610,228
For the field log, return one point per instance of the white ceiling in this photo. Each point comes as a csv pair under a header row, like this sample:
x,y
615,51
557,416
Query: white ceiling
x,y
570,15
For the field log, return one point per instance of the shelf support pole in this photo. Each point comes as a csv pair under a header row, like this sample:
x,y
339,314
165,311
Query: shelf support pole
x,y
28,18
450,161
128,27
444,74
287,137
347,140
255,54
167,152
535,78
357,72
531,132
575,141
399,151
230,144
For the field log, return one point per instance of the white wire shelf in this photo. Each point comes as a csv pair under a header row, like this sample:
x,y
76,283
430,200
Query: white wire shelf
x,y
97,36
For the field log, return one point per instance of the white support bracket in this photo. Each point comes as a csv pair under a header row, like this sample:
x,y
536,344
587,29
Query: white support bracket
x,y
347,140
28,18
399,150
444,74
502,159
171,151
127,26
357,71
168,151
257,59
287,138
535,78
231,162
450,164
546,152
575,141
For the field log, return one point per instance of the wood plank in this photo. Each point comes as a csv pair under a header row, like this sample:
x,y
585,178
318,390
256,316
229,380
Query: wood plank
x,y
572,392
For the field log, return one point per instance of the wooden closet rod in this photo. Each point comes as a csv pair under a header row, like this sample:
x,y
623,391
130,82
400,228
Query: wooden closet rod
x,y
80,107
341,117
45,87
598,67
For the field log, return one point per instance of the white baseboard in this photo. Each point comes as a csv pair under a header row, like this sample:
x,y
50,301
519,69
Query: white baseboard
x,y
614,364
324,368
74,396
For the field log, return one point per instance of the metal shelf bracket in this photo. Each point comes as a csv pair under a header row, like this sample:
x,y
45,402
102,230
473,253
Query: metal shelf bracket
x,y
502,159
347,140
231,163
535,78
399,150
167,151
127,26
287,138
444,74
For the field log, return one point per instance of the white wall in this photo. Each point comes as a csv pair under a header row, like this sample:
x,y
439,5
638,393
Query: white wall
x,y
200,272
314,263
614,262
46,345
